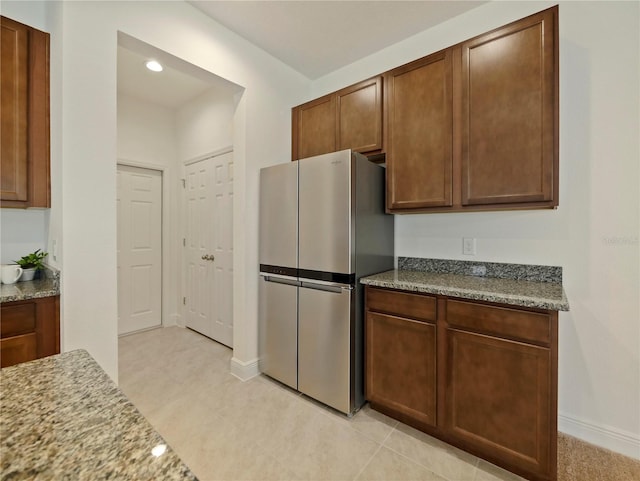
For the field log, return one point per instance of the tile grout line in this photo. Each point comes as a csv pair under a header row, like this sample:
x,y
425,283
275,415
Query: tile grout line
x,y
428,468
368,462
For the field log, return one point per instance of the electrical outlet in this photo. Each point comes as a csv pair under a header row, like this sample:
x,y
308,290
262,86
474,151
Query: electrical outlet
x,y
469,246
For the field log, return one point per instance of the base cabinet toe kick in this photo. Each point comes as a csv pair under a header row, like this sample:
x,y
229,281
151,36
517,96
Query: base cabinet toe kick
x,y
480,376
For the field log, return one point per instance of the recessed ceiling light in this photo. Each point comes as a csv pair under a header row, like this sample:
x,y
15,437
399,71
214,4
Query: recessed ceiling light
x,y
154,66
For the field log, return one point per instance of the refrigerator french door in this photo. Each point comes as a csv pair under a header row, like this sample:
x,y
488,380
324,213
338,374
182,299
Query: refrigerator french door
x,y
278,288
327,212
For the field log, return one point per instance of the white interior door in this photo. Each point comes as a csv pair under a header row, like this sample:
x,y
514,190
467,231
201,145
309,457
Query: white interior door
x,y
209,247
139,198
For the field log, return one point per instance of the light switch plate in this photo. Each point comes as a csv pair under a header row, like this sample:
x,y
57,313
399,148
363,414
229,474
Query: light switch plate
x,y
469,246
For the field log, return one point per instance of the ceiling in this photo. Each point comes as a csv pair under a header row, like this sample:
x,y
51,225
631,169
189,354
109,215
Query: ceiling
x,y
170,88
318,37
312,37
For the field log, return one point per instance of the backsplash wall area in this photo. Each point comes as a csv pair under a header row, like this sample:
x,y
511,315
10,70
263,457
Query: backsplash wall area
x,y
22,232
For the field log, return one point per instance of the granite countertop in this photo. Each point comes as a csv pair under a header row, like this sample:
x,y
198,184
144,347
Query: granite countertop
x,y
48,286
505,290
63,418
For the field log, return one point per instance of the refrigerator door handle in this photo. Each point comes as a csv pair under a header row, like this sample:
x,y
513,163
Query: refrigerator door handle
x,y
326,286
277,279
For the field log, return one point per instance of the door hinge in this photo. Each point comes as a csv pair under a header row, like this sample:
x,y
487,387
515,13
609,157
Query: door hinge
x,y
184,301
184,183
184,242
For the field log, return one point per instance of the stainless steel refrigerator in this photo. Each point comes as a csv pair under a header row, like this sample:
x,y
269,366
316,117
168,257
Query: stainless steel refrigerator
x,y
322,227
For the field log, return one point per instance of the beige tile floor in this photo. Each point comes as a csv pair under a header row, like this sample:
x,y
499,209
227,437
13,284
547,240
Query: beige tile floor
x,y
225,429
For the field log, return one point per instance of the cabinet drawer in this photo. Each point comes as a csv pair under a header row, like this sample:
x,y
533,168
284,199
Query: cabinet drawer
x,y
501,321
18,349
18,319
416,306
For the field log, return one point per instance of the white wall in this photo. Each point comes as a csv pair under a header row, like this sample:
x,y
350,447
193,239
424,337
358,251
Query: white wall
x,y
21,232
205,124
146,132
594,233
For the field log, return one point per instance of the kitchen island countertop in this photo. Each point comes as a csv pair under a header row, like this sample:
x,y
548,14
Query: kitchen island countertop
x,y
524,293
63,418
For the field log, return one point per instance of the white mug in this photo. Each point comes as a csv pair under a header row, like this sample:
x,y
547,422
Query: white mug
x,y
11,273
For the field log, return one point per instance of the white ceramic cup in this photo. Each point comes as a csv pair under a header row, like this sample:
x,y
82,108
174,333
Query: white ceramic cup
x,y
10,273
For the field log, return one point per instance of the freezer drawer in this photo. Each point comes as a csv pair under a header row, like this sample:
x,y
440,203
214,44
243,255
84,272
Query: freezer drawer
x,y
278,329
324,364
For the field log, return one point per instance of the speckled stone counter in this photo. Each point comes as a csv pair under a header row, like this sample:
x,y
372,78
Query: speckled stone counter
x,y
517,292
48,286
62,418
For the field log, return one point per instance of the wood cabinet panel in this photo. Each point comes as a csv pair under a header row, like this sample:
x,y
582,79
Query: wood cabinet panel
x,y
419,132
350,118
359,116
17,349
401,366
316,127
416,306
30,330
14,70
494,368
498,398
509,121
515,324
24,78
17,319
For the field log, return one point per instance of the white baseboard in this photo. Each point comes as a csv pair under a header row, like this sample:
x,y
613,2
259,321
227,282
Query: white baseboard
x,y
614,439
244,370
172,320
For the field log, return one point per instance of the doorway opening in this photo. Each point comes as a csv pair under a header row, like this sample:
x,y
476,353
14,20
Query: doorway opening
x,y
169,121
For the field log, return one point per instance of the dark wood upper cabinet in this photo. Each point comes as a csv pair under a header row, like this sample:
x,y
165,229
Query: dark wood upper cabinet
x,y
510,113
348,119
24,79
359,116
314,128
473,127
419,132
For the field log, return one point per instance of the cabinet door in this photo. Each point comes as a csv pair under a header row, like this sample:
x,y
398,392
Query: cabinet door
x,y
499,399
510,113
14,70
359,110
419,133
24,74
400,366
314,127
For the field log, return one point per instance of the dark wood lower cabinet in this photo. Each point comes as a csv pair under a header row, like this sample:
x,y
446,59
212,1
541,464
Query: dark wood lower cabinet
x,y
482,377
407,385
29,330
